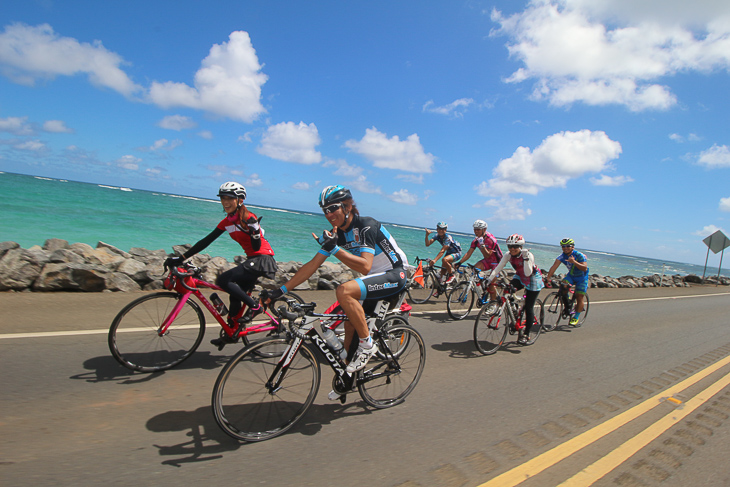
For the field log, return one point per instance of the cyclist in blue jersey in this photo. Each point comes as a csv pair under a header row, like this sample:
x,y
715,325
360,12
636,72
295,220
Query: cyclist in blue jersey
x,y
577,264
450,249
365,246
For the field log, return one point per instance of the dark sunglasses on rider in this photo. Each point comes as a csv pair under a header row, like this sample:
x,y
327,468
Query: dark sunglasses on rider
x,y
332,208
514,247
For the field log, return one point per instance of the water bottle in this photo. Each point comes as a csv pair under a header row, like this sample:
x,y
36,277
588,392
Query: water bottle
x,y
219,306
334,343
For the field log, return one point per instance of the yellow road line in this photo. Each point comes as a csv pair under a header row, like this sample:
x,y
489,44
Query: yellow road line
x,y
599,469
541,462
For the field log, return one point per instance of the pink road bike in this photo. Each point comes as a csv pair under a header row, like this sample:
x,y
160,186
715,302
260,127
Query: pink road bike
x,y
160,330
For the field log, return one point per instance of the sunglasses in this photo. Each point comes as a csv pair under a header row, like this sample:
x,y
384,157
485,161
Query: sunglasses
x,y
567,246
514,247
331,208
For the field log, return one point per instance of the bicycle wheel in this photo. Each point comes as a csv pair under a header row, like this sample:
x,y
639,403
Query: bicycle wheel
x,y
553,309
583,313
134,339
490,330
418,293
537,325
460,301
274,310
243,405
386,382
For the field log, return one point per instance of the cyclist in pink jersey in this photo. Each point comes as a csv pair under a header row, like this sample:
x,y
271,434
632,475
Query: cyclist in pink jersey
x,y
488,246
527,276
244,227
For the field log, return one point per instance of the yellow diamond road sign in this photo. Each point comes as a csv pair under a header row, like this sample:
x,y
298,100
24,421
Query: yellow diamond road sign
x,y
717,242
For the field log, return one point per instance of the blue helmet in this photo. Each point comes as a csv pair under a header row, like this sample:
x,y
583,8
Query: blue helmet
x,y
334,194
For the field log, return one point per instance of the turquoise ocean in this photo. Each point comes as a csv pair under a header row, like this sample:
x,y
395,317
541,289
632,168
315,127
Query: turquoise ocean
x,y
34,209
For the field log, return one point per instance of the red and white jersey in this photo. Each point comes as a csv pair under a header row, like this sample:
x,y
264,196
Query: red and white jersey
x,y
241,234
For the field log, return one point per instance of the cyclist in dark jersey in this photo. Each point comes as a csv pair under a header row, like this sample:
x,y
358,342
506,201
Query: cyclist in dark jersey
x,y
450,249
243,227
365,246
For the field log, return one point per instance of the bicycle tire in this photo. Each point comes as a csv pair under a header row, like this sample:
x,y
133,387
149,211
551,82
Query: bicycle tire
x,y
273,307
490,330
135,343
457,298
243,406
420,294
583,313
553,308
386,382
536,328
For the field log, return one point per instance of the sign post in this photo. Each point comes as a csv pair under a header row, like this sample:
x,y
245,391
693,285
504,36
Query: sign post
x,y
717,242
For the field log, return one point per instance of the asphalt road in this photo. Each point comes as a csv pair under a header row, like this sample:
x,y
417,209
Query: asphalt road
x,y
72,416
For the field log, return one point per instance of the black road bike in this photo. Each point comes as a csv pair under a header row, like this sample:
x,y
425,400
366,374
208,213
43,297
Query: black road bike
x,y
257,397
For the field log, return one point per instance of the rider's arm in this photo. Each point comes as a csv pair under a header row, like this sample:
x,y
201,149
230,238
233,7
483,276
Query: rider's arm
x,y
582,266
466,256
306,271
429,241
203,243
361,264
441,252
498,269
552,270
528,262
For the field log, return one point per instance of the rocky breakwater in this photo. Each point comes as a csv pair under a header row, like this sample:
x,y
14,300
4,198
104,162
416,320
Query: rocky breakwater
x,y
60,266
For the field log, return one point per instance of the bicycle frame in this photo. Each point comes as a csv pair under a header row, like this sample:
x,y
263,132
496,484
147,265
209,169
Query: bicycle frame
x,y
188,286
308,330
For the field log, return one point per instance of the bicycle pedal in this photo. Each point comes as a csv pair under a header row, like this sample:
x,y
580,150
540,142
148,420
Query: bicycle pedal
x,y
343,398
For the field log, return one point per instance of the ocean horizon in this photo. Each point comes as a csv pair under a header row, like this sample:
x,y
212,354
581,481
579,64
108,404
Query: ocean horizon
x,y
36,208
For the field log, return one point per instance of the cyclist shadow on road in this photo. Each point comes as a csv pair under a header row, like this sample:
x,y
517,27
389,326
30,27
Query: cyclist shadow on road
x,y
468,350
208,442
105,368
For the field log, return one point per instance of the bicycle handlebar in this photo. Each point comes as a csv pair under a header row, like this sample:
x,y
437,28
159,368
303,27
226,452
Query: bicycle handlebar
x,y
191,271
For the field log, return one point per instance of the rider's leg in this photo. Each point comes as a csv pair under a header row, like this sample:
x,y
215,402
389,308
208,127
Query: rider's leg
x,y
564,293
447,260
348,294
530,298
579,300
235,281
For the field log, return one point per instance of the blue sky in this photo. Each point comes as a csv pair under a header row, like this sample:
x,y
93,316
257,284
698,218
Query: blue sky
x,y
603,120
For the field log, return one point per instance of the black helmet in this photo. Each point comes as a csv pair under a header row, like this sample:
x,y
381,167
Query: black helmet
x,y
334,194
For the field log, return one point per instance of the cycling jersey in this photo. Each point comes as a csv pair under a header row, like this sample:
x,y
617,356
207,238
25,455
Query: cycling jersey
x,y
526,270
454,247
367,235
491,244
572,269
242,234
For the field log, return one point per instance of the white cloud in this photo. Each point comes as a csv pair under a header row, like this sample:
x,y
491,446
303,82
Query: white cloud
x,y
716,156
56,127
206,134
455,109
302,186
228,83
611,180
29,53
725,204
559,158
31,145
676,137
290,142
708,230
567,48
16,126
405,155
411,178
177,122
164,144
506,208
254,181
129,162
403,197
343,168
361,184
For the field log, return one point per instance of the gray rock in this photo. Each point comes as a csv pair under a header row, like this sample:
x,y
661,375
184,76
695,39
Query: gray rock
x,y
19,268
113,250
55,244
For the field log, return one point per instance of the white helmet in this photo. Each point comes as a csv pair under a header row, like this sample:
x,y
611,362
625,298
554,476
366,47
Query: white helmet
x,y
516,239
480,224
233,189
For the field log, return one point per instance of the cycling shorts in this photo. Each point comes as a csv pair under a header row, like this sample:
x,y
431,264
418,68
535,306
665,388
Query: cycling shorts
x,y
580,283
455,255
488,265
382,284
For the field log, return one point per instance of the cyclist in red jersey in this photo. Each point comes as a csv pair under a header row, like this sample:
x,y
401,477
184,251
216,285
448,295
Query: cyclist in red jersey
x,y
243,226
